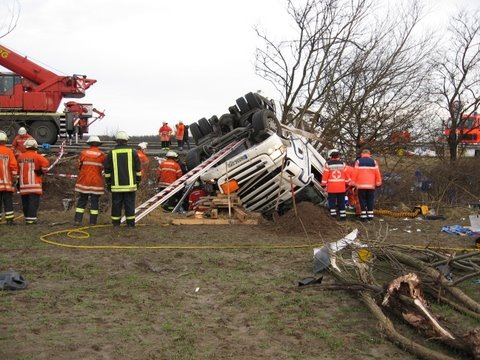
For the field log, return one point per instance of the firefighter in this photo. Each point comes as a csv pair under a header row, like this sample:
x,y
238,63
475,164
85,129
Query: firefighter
x,y
195,195
336,179
90,183
180,133
8,177
123,173
32,166
367,178
168,171
18,143
144,160
165,132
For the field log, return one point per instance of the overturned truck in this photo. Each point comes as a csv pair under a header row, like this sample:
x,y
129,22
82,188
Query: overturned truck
x,y
272,165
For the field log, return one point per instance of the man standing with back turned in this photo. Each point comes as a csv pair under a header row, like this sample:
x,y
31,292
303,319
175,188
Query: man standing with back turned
x,y
123,173
367,178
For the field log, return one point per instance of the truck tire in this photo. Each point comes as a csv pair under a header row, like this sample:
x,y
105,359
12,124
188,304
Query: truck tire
x,y
10,127
243,105
253,101
193,158
264,121
196,132
44,131
205,126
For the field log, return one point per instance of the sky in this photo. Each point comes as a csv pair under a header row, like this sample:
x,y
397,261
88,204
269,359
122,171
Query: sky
x,y
157,60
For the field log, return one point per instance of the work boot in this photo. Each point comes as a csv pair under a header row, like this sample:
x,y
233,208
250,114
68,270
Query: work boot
x,y
93,219
78,218
10,222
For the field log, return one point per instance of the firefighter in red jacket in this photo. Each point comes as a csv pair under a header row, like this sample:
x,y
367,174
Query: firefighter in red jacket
x,y
168,172
164,133
195,195
32,166
144,160
336,179
367,178
18,143
8,176
90,182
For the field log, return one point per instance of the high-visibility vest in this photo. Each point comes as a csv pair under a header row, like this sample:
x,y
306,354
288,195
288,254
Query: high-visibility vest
x,y
367,174
168,171
123,170
336,176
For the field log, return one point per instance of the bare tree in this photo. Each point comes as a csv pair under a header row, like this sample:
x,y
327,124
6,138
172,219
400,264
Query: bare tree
x,y
10,10
357,76
457,73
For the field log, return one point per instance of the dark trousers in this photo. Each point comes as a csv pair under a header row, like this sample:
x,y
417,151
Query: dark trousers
x,y
123,200
165,144
82,204
337,201
180,144
6,199
366,198
30,204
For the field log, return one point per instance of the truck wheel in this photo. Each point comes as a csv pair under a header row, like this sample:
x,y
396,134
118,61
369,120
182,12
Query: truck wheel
x,y
196,132
264,121
205,126
254,101
10,127
193,158
45,132
243,105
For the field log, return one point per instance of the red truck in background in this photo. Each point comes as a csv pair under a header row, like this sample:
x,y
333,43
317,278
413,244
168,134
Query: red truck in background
x,y
469,130
30,96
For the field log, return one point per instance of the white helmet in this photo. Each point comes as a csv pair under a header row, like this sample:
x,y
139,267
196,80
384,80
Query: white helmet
x,y
22,131
172,154
143,145
333,152
31,144
3,136
121,135
94,139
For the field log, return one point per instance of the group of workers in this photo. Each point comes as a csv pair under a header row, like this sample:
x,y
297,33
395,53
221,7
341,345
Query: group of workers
x,y
181,135
357,183
120,171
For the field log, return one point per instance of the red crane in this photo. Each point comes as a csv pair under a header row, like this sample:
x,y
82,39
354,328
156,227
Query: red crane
x,y
30,96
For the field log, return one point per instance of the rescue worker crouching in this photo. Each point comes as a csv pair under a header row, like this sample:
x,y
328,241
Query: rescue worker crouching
x,y
336,179
90,182
168,172
8,178
122,169
32,166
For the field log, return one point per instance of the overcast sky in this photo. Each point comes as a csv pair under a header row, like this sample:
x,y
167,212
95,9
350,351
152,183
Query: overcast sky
x,y
157,60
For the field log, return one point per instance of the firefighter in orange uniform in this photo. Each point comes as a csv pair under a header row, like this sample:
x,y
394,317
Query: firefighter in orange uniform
x,y
90,182
164,132
144,160
18,143
367,178
168,172
8,176
336,179
32,167
180,134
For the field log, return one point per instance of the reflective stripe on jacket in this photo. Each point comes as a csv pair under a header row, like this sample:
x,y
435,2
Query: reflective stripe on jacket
x,y
180,131
336,176
145,162
123,169
367,173
8,168
164,132
90,179
168,171
28,162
